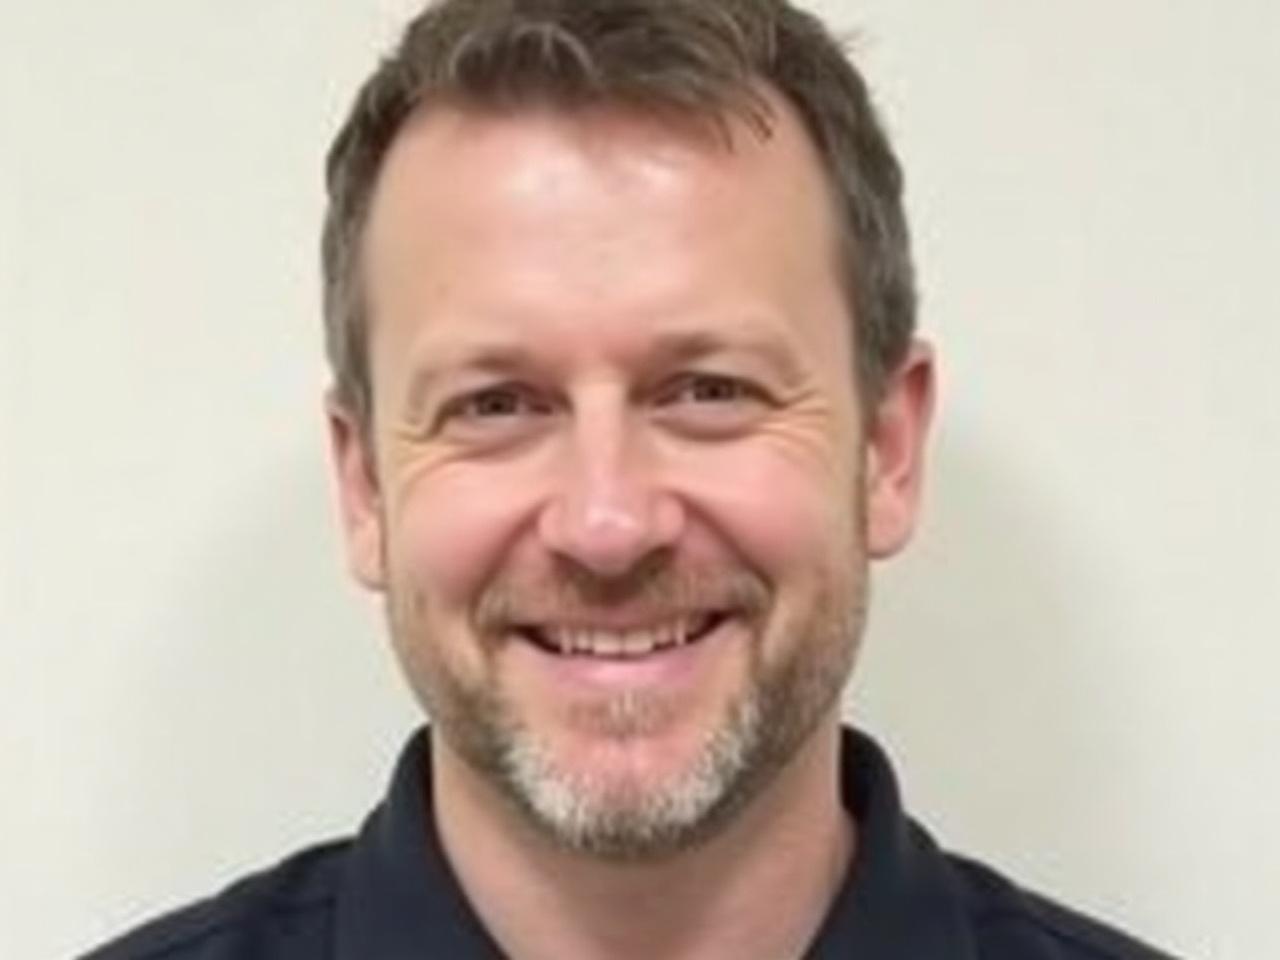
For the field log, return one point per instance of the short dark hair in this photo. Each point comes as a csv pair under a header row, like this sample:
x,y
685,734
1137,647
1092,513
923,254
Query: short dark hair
x,y
700,58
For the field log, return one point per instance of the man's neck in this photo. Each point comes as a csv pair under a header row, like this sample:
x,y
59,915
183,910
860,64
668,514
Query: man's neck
x,y
759,888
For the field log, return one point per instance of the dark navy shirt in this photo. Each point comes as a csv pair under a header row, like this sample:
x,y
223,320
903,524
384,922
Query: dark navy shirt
x,y
389,894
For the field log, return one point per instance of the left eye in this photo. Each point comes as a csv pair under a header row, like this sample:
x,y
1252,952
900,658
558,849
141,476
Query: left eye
x,y
710,388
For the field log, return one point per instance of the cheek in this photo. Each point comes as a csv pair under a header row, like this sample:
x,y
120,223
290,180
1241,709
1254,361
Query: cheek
x,y
784,512
452,530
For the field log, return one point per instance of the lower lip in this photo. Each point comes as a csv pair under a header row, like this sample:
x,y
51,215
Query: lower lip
x,y
668,667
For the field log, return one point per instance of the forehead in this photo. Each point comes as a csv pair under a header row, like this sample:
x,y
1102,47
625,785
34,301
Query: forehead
x,y
486,213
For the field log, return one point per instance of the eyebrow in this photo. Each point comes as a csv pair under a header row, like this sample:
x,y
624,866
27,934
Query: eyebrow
x,y
480,357
504,357
684,346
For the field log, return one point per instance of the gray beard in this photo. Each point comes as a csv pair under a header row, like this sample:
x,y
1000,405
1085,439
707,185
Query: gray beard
x,y
758,734
624,823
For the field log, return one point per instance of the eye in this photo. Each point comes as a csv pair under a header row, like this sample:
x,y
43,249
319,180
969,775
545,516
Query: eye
x,y
711,406
498,402
710,388
495,405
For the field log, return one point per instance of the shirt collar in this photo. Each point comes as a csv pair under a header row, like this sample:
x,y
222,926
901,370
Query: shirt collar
x,y
399,893
899,898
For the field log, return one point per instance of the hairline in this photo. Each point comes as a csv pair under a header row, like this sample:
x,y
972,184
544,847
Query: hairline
x,y
757,105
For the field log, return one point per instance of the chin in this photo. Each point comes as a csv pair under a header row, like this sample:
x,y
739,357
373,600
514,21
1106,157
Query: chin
x,y
656,789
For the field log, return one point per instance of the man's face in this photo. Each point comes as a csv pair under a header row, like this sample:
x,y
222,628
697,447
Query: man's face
x,y
621,501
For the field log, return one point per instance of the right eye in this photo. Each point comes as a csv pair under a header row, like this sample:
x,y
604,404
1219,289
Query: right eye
x,y
490,403
496,409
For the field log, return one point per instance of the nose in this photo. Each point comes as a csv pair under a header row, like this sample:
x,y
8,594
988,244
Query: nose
x,y
608,512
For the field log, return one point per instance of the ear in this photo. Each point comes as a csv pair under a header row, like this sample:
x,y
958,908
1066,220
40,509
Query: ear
x,y
896,434
359,499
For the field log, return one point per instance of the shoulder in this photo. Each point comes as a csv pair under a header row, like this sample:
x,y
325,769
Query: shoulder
x,y
1009,921
283,911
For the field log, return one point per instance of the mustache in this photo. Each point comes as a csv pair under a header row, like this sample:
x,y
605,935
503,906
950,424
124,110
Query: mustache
x,y
652,591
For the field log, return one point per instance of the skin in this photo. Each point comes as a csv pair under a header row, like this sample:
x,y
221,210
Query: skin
x,y
610,351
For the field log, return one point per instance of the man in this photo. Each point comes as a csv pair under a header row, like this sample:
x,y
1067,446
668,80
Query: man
x,y
620,309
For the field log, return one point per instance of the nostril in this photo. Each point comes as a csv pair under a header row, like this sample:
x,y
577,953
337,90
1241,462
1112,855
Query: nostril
x,y
605,536
608,521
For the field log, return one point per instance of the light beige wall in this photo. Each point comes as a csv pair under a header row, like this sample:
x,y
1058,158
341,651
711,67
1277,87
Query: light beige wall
x,y
1074,666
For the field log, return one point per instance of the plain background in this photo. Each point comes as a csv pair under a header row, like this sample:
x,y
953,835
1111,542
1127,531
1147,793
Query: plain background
x,y
1074,666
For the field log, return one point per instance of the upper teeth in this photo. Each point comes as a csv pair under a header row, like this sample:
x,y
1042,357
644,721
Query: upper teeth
x,y
618,643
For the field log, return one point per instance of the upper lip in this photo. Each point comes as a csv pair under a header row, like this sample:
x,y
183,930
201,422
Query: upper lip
x,y
570,638
614,621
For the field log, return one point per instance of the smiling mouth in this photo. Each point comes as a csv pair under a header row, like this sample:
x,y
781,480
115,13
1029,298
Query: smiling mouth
x,y
586,640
